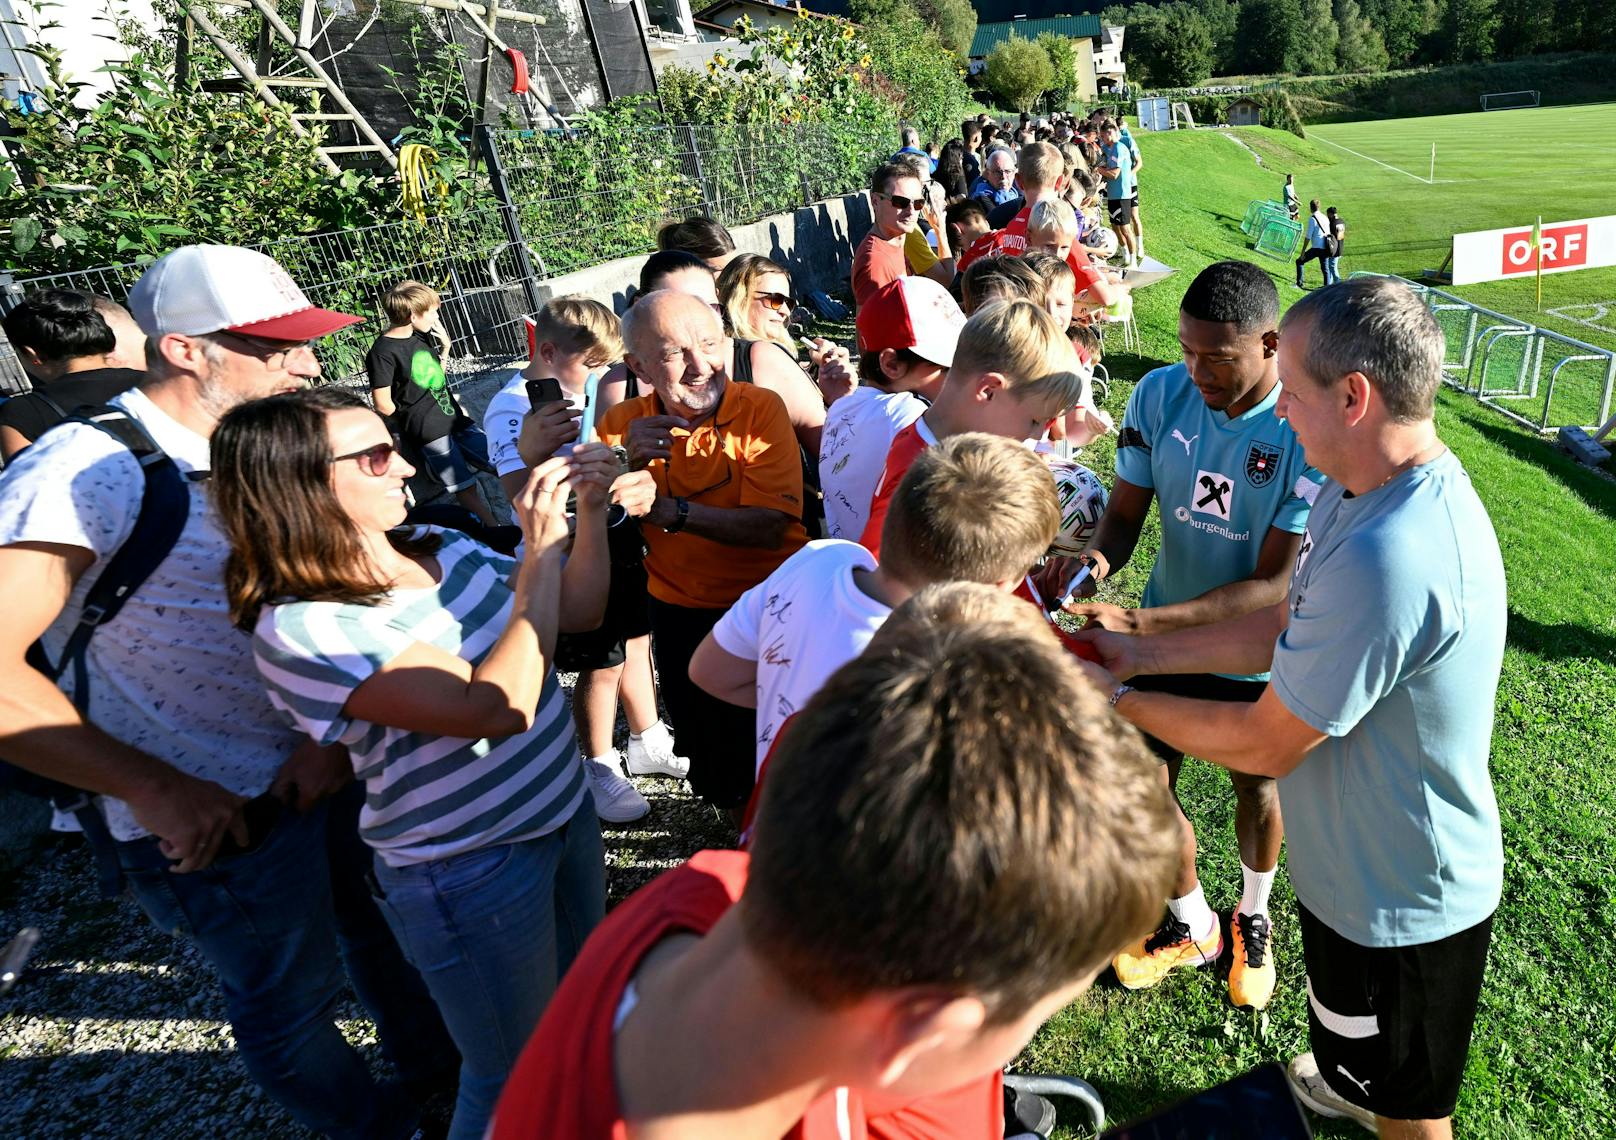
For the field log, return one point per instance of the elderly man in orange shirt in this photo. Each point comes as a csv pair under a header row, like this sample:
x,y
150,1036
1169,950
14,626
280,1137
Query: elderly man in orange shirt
x,y
719,503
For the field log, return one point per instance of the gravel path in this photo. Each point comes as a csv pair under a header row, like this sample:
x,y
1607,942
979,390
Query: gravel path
x,y
118,1030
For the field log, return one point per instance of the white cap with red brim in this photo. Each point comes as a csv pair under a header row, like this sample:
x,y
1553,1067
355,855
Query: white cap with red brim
x,y
200,289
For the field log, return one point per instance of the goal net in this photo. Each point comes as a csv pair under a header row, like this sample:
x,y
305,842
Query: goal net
x,y
1182,117
1506,100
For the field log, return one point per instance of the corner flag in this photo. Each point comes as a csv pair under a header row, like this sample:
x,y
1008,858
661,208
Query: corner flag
x,y
1537,250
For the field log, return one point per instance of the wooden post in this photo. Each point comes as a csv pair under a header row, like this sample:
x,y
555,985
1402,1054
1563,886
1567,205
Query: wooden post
x,y
182,52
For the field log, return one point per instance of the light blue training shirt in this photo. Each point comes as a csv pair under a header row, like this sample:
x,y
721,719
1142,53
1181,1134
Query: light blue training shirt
x,y
1222,483
1396,637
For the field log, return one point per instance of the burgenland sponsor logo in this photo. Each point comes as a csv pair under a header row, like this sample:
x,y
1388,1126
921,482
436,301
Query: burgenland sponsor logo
x,y
1182,514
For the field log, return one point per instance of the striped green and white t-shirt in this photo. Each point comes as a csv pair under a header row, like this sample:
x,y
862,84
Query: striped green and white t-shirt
x,y
426,797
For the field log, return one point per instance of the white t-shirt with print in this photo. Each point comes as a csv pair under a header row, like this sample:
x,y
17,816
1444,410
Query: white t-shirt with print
x,y
801,624
502,424
859,430
169,675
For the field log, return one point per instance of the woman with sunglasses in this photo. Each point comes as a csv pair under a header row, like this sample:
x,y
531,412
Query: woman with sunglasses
x,y
429,656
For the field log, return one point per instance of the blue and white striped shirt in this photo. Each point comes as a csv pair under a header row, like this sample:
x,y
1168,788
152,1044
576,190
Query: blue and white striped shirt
x,y
426,797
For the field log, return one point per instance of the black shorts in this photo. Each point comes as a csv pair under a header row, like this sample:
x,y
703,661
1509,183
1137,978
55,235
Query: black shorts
x,y
1196,686
1120,210
1390,1025
627,616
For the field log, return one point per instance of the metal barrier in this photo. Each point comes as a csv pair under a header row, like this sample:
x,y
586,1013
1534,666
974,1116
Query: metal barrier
x,y
1540,378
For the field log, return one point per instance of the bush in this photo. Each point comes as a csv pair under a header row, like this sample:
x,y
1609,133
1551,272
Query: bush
x,y
1018,72
152,166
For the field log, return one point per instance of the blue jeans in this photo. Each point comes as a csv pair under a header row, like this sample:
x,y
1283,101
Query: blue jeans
x,y
492,931
1332,270
271,923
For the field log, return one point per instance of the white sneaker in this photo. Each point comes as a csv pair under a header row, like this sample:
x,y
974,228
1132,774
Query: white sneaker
x,y
616,800
652,754
1315,1092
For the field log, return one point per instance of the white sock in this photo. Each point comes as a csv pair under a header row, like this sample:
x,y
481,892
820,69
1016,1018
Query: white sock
x,y
1254,895
609,759
1193,912
653,732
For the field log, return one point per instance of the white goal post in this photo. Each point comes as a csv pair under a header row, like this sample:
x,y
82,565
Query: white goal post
x,y
1508,100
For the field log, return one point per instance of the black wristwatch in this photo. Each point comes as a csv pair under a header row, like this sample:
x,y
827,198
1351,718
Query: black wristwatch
x,y
682,505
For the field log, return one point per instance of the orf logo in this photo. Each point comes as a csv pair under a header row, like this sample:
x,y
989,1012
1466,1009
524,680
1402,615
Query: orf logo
x,y
1564,247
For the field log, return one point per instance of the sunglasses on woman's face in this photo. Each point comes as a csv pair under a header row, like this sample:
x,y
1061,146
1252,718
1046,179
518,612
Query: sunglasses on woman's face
x,y
373,460
779,302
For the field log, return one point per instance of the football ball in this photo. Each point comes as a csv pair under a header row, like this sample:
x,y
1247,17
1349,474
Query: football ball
x,y
1102,242
1082,502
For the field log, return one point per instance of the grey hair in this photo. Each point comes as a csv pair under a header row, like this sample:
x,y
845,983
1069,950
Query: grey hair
x,y
1377,326
996,148
638,315
910,136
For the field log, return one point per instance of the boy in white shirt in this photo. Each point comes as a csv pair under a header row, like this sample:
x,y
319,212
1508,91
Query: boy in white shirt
x,y
974,508
575,337
907,332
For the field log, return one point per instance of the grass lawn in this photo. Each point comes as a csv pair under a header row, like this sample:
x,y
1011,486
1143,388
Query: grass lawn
x,y
1544,1058
1377,174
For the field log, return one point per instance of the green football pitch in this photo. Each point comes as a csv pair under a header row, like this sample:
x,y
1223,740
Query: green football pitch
x,y
1492,169
1406,186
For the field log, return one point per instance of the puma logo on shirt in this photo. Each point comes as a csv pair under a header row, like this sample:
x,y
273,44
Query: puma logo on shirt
x,y
1178,435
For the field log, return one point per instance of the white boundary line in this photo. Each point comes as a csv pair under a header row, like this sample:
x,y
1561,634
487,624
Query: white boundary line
x,y
1377,162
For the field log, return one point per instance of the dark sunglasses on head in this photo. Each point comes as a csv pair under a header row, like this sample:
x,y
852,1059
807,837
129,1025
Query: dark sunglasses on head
x,y
373,460
901,203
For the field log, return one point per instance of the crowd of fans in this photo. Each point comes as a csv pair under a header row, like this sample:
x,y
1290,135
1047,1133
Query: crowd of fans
x,y
326,737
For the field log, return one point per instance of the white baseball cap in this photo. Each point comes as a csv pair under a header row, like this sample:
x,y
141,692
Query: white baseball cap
x,y
200,289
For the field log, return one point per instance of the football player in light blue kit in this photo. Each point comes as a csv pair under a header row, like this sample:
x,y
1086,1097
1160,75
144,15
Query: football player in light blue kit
x,y
1378,720
1202,437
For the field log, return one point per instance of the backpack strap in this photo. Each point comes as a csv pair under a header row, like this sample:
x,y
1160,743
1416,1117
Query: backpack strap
x,y
165,504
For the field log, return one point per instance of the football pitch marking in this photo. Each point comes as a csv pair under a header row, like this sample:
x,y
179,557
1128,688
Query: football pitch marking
x,y
1590,315
1377,162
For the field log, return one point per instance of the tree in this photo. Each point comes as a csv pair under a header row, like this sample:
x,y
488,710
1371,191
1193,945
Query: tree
x,y
954,20
1176,48
1018,72
1062,67
1265,35
1314,50
1468,31
1361,48
1403,26
1220,17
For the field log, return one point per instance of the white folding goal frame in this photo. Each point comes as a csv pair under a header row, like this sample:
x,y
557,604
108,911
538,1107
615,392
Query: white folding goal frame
x,y
1500,100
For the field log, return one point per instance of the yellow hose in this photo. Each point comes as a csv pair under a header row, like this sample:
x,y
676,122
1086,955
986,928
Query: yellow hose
x,y
419,180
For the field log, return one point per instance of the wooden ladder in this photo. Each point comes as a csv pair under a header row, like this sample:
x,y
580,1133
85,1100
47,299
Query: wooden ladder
x,y
313,76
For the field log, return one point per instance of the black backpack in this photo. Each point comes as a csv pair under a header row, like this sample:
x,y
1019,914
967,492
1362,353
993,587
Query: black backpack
x,y
165,505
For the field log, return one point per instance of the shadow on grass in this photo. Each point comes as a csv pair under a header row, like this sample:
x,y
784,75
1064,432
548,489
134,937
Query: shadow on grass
x,y
1598,492
1560,641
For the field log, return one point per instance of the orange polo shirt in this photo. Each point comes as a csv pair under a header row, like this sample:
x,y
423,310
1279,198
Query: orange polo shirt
x,y
744,455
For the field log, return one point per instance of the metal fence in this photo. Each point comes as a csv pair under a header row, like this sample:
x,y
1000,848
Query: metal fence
x,y
1538,377
556,202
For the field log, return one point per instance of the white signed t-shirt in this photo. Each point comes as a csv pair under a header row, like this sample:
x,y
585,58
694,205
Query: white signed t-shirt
x,y
801,624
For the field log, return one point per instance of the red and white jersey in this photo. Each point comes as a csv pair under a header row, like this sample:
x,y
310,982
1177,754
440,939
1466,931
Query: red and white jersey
x,y
906,448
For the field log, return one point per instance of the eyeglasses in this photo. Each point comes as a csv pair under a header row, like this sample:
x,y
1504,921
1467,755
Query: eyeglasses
x,y
779,302
274,353
373,460
900,203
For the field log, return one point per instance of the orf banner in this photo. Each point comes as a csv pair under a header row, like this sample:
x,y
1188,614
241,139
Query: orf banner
x,y
1495,255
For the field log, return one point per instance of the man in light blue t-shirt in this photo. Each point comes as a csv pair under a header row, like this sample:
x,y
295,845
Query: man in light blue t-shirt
x,y
1378,719
1121,188
1202,437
